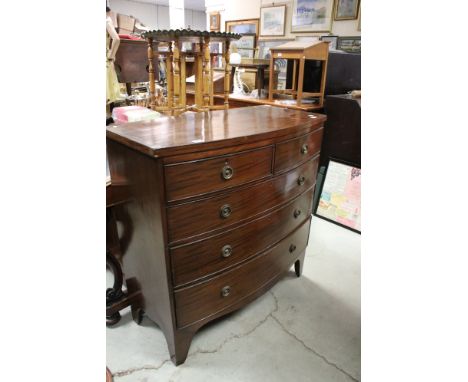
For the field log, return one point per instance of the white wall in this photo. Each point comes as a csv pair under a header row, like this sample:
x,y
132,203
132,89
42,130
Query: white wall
x,y
156,16
250,9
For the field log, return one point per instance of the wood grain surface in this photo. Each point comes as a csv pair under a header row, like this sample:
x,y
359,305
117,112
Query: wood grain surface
x,y
203,176
192,132
201,300
204,258
186,221
289,153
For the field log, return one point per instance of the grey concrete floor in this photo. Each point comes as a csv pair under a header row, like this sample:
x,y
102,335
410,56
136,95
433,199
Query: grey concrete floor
x,y
303,329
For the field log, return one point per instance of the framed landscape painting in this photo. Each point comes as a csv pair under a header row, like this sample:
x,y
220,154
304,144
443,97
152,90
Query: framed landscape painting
x,y
351,44
272,20
242,26
312,16
346,9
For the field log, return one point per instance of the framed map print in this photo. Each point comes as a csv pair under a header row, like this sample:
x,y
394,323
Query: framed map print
x,y
312,16
340,196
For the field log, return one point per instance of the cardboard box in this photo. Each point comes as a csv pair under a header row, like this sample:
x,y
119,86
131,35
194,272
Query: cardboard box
x,y
126,22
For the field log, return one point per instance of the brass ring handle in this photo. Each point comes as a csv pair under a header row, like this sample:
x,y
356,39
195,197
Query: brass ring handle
x,y
301,180
297,213
226,251
304,149
225,291
292,248
225,211
227,172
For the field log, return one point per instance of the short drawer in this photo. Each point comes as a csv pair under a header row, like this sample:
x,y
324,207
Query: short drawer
x,y
189,220
290,153
203,258
187,179
202,300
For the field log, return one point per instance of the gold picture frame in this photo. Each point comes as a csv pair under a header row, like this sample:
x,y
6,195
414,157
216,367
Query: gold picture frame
x,y
245,26
215,21
346,9
248,28
271,26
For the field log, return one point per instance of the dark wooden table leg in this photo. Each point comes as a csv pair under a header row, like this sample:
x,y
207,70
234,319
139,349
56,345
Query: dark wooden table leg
x,y
233,70
115,293
116,298
260,81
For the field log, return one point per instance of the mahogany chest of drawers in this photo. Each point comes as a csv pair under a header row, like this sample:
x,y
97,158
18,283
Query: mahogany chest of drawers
x,y
220,211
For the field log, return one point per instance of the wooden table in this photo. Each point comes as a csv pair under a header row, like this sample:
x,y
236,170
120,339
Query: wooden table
x,y
252,63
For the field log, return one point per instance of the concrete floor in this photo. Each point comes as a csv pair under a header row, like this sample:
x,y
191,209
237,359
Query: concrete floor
x,y
303,329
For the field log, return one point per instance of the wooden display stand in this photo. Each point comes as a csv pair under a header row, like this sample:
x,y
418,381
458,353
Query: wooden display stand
x,y
175,101
299,52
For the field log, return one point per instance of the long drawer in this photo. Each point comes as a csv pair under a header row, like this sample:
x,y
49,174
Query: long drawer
x,y
207,298
205,257
290,153
187,179
195,218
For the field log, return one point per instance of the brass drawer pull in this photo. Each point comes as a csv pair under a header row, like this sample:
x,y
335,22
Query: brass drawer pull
x,y
226,251
304,149
225,291
297,213
227,172
301,180
225,211
292,248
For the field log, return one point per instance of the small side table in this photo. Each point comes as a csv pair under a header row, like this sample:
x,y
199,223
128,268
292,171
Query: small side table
x,y
252,63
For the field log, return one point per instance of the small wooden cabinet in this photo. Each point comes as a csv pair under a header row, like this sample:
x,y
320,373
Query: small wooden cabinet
x,y
221,208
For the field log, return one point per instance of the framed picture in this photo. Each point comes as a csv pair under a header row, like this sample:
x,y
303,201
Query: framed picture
x,y
248,28
340,195
265,45
346,9
312,16
246,45
333,41
351,44
272,20
215,21
242,26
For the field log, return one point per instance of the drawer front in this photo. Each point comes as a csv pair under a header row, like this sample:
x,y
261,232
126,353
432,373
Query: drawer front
x,y
290,153
187,179
202,300
203,258
186,221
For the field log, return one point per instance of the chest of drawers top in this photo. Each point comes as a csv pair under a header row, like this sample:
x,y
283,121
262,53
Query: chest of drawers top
x,y
195,132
